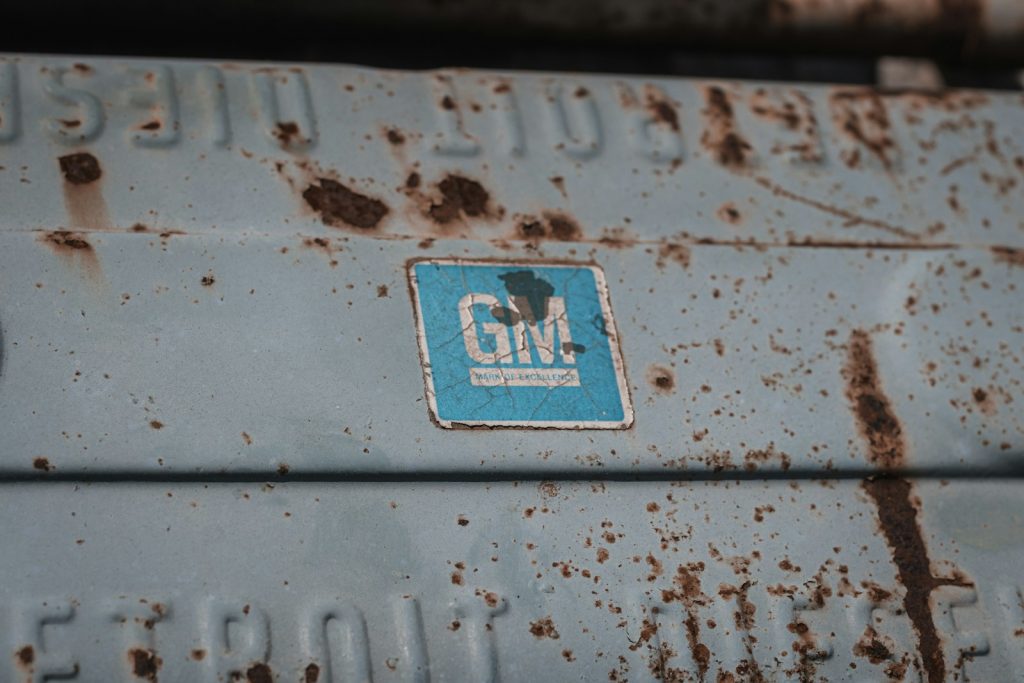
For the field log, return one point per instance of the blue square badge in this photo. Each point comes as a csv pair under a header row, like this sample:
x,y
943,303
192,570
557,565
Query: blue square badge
x,y
519,345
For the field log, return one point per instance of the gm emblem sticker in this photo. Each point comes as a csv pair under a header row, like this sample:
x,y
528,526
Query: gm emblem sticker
x,y
518,345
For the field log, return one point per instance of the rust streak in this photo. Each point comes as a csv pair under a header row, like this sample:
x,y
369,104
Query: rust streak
x,y
893,498
851,218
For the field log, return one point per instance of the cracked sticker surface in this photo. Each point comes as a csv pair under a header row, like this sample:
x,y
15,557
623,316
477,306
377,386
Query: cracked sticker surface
x,y
519,344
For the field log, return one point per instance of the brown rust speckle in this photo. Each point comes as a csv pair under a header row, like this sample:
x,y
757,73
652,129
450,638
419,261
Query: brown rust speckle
x,y
553,225
395,136
208,280
286,132
312,673
728,213
80,168
156,424
669,251
198,654
544,628
338,205
460,196
26,655
42,464
661,378
259,673
145,664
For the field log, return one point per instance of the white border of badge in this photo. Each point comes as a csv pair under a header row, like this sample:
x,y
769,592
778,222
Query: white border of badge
x,y
613,340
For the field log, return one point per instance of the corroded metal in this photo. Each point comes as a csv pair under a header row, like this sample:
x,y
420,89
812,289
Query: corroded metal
x,y
204,291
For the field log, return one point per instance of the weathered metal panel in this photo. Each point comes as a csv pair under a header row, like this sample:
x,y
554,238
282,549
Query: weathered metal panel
x,y
208,259
506,581
216,450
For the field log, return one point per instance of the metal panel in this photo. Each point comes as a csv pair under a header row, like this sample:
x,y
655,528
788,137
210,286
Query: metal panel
x,y
194,284
216,452
474,582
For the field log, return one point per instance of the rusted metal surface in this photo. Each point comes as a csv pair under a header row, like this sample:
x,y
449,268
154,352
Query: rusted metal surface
x,y
204,290
722,214
507,581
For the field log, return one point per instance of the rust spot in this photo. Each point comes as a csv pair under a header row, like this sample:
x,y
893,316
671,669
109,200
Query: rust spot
x,y
720,136
553,225
663,111
1014,257
448,103
198,654
145,663
207,280
151,125
728,213
544,628
26,655
156,424
662,379
82,197
246,438
395,136
875,417
42,464
382,291
285,131
80,168
259,673
412,181
872,647
459,196
339,205
283,469
559,183
862,115
673,252
985,402
312,673
63,239
462,521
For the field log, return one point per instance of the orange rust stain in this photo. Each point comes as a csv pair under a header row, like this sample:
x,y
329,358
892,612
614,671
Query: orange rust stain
x,y
75,248
83,196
